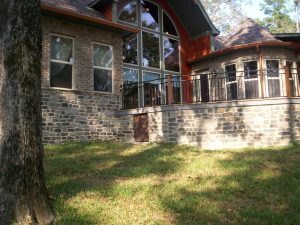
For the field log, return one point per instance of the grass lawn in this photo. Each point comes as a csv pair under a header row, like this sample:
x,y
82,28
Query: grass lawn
x,y
117,183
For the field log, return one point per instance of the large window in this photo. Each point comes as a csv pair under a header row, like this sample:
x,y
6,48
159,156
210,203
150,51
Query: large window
x,y
102,65
251,80
154,51
61,62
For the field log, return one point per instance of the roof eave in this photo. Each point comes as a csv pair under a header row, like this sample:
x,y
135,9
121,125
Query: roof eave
x,y
94,20
244,46
214,30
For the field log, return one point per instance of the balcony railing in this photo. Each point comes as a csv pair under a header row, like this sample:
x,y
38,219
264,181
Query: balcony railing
x,y
213,87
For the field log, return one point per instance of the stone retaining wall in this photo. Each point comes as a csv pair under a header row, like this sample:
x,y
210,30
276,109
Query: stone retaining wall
x,y
81,116
223,125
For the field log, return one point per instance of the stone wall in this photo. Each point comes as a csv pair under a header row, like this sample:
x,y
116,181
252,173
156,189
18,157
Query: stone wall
x,y
222,125
78,116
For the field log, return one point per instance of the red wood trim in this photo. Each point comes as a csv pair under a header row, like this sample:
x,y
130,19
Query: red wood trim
x,y
170,90
245,46
73,14
287,81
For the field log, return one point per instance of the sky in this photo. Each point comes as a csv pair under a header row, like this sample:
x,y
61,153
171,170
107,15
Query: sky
x,y
253,9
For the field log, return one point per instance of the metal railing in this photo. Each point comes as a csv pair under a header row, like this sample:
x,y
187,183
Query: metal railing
x,y
213,87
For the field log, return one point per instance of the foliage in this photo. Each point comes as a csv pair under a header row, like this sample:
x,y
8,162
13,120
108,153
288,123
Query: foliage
x,y
278,19
225,14
119,183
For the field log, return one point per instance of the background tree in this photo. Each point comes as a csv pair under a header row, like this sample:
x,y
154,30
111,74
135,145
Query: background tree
x,y
23,194
278,19
225,14
297,9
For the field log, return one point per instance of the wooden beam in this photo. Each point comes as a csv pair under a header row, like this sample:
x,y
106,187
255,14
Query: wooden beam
x,y
261,72
170,90
287,81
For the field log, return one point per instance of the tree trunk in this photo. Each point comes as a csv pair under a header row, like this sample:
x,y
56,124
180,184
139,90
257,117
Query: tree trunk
x,y
23,194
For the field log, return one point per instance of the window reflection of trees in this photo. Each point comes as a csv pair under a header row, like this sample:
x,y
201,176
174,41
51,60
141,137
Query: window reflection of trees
x,y
151,56
128,11
155,49
150,15
130,50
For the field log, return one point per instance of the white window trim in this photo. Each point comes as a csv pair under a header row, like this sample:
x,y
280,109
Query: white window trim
x,y
266,78
62,62
103,68
231,82
252,79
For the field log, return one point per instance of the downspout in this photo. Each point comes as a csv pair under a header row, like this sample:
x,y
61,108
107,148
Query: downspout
x,y
261,73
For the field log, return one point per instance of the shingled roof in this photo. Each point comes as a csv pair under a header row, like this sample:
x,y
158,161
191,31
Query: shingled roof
x,y
248,32
78,6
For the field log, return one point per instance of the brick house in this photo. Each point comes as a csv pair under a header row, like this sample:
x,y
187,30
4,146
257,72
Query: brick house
x,y
183,83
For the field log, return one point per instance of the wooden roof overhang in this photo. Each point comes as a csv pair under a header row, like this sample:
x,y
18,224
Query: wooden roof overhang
x,y
87,20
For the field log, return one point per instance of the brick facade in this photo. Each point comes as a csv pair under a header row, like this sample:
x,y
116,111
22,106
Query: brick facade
x,y
84,37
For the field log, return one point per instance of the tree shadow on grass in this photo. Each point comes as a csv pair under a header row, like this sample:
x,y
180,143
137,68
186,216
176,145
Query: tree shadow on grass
x,y
244,187
262,187
73,169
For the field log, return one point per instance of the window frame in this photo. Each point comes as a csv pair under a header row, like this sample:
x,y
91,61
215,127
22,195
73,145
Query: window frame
x,y
252,79
103,68
267,78
73,80
160,32
228,83
162,24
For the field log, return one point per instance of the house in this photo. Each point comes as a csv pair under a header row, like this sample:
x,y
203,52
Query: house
x,y
183,83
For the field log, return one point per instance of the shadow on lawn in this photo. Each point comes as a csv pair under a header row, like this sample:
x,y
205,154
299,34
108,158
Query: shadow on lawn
x,y
260,187
263,187
81,167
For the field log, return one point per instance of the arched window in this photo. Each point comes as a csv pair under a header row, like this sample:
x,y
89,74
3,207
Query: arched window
x,y
154,52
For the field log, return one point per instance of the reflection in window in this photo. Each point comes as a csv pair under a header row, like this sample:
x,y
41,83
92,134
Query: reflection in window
x,y
130,75
272,68
250,69
231,82
151,56
155,46
251,80
103,56
130,49
171,54
150,15
61,62
169,27
152,89
128,11
273,78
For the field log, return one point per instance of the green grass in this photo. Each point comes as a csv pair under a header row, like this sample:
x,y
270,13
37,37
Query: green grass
x,y
118,183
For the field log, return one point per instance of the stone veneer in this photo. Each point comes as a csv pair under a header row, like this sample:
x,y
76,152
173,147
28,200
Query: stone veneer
x,y
78,116
222,125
